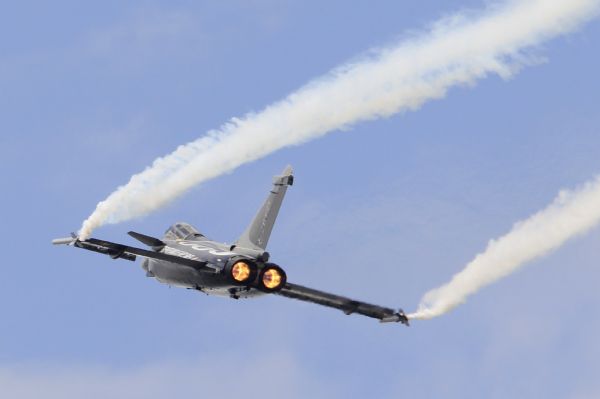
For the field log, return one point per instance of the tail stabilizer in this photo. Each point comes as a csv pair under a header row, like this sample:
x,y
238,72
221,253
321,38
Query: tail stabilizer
x,y
257,234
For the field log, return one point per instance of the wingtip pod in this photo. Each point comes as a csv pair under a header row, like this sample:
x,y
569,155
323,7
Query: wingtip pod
x,y
64,241
67,240
399,317
403,318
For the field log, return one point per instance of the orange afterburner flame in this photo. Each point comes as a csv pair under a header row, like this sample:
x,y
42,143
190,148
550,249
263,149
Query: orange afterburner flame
x,y
272,278
241,272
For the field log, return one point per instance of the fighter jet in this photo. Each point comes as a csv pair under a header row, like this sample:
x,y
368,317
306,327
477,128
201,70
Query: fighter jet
x,y
184,257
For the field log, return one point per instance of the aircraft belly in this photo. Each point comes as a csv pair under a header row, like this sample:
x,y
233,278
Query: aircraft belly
x,y
177,275
240,292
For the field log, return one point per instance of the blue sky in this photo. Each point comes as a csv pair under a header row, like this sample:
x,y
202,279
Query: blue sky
x,y
91,94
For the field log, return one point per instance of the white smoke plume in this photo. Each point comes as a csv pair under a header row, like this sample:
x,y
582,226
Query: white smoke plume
x,y
457,50
572,213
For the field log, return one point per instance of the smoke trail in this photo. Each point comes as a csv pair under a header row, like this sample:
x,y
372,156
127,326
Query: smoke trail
x,y
571,214
457,51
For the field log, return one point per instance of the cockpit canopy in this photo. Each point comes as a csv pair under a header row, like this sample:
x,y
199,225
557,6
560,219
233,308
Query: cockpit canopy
x,y
182,231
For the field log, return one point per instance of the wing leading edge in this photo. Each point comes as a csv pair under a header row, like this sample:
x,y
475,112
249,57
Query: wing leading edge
x,y
346,305
120,251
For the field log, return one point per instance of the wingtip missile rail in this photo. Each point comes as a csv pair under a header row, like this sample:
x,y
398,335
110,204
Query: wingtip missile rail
x,y
64,241
399,317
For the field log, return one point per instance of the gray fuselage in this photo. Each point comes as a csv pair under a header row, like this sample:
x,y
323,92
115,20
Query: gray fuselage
x,y
216,255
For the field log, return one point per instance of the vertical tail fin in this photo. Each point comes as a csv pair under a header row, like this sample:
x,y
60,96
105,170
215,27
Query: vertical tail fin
x,y
257,234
